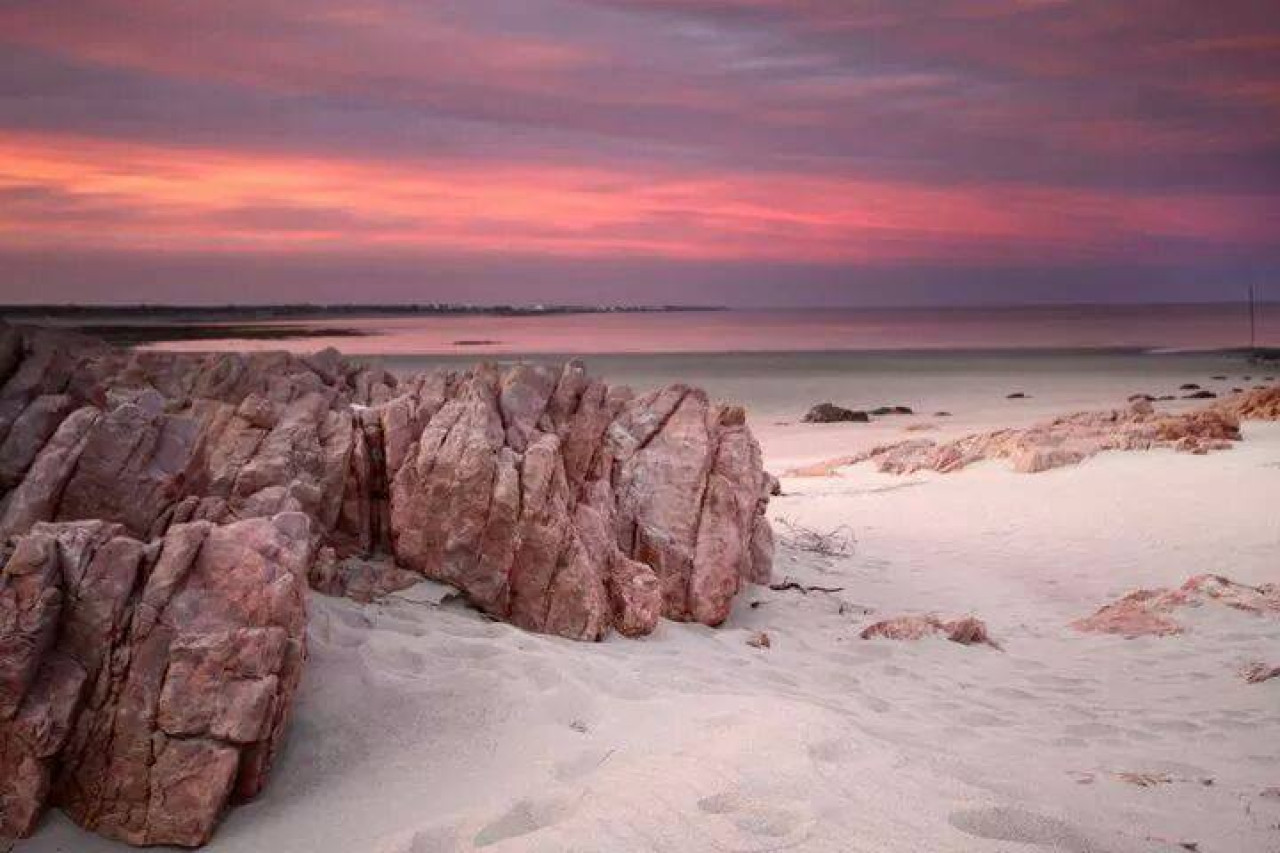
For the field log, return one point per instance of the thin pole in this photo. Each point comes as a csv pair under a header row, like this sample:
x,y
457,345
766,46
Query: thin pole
x,y
1253,319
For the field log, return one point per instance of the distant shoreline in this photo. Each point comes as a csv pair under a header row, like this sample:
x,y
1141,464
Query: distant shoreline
x,y
368,330
153,333
291,311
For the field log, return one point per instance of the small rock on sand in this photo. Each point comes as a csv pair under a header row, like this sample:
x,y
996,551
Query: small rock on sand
x,y
829,413
1256,673
966,631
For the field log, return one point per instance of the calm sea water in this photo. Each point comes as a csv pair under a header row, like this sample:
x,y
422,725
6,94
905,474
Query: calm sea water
x,y
779,363
1078,327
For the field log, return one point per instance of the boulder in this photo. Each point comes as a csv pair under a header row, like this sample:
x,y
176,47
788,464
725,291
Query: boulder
x,y
967,631
828,413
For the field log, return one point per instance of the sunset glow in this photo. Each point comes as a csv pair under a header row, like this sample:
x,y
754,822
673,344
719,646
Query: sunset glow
x,y
663,140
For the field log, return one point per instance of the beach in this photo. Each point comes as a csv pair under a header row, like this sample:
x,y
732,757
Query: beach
x,y
421,726
640,426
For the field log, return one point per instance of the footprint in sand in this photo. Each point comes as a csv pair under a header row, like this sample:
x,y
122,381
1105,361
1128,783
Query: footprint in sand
x,y
524,817
755,817
875,703
436,839
1005,823
830,751
581,765
473,652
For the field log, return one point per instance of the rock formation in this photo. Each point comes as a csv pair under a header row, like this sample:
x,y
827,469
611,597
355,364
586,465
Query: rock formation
x,y
1071,439
162,514
1261,404
145,686
1150,612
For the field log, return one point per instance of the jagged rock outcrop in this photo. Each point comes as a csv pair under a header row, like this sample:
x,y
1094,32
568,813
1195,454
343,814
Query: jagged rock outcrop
x,y
568,507
145,686
162,513
1150,612
550,498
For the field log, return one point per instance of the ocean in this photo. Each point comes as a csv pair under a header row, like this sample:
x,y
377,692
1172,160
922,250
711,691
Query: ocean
x,y
1145,327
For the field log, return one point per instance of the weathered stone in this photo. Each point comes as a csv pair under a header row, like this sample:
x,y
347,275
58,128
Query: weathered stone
x,y
36,497
158,695
358,579
1063,441
152,637
1150,612
28,435
967,631
829,413
130,469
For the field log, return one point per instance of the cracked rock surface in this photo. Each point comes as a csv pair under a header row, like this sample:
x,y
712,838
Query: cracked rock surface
x,y
162,515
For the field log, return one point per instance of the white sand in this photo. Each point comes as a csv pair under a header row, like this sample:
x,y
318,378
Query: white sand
x,y
425,728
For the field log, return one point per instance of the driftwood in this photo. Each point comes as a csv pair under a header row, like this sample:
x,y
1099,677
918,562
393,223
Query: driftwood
x,y
789,584
833,543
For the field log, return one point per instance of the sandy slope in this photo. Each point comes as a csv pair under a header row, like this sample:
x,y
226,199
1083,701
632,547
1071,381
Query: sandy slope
x,y
426,728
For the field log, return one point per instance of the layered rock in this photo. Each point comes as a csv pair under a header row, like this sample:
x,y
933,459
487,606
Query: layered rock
x,y
1151,612
162,513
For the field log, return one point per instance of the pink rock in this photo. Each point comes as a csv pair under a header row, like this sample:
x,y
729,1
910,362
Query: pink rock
x,y
151,638
1149,612
1260,404
966,631
1061,442
1256,673
36,498
359,579
156,683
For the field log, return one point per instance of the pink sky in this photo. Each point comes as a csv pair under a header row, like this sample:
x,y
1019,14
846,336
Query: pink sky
x,y
751,152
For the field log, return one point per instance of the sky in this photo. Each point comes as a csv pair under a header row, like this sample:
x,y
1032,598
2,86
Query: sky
x,y
740,152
